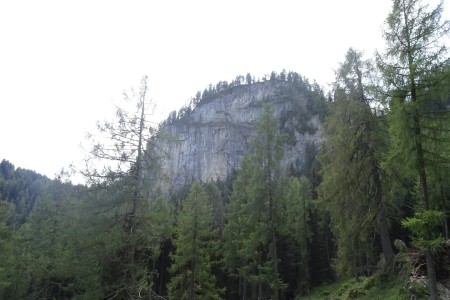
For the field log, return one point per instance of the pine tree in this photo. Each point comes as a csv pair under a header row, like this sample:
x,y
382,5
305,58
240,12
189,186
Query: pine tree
x,y
195,247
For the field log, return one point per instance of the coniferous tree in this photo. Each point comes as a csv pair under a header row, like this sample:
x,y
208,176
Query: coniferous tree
x,y
47,261
352,182
55,264
7,265
411,66
195,248
296,230
256,197
268,153
122,188
240,233
217,201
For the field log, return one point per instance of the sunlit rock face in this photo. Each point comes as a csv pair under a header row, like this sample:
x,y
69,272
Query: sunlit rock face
x,y
210,141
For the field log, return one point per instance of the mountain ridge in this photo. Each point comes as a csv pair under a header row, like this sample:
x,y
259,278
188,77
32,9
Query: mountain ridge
x,y
207,142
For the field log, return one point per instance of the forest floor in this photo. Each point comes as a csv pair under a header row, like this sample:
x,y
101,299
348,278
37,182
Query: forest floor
x,y
381,286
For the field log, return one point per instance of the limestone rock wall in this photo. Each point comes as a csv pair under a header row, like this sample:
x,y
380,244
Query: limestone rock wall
x,y
208,143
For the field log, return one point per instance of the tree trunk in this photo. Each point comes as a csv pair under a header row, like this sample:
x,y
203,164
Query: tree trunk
x,y
444,208
275,263
132,218
305,246
386,244
431,271
420,160
244,288
274,246
194,260
260,290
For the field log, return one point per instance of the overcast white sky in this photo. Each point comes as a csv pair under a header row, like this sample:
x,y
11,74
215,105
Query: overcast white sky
x,y
62,63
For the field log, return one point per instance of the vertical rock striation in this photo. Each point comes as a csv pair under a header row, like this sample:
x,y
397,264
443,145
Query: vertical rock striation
x,y
209,142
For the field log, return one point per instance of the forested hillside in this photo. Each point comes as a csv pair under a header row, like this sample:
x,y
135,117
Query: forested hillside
x,y
366,200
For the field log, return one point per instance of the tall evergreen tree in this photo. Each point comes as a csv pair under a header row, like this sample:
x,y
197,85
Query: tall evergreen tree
x,y
415,50
256,203
268,153
352,183
195,247
241,233
296,230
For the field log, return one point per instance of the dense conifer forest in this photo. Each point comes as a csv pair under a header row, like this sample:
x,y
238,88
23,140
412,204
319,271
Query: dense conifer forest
x,y
369,204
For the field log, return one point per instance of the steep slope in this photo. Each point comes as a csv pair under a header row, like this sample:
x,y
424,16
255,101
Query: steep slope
x,y
209,141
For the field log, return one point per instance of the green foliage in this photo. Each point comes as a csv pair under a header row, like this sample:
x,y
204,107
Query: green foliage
x,y
351,190
216,199
6,248
272,240
297,200
296,231
239,231
268,153
23,188
380,286
195,249
415,71
423,227
265,215
158,218
129,223
412,67
45,258
103,215
307,99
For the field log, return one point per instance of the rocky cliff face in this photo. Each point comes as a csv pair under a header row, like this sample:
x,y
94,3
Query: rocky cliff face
x,y
210,141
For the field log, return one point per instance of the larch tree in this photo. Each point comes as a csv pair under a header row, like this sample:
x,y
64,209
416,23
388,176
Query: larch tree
x,y
268,153
195,245
253,218
118,169
241,233
352,187
415,55
296,230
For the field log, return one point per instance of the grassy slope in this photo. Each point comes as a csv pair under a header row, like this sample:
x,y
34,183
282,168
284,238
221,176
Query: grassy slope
x,y
383,287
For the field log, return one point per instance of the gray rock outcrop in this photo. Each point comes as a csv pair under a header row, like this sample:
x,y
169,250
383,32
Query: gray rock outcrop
x,y
209,142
